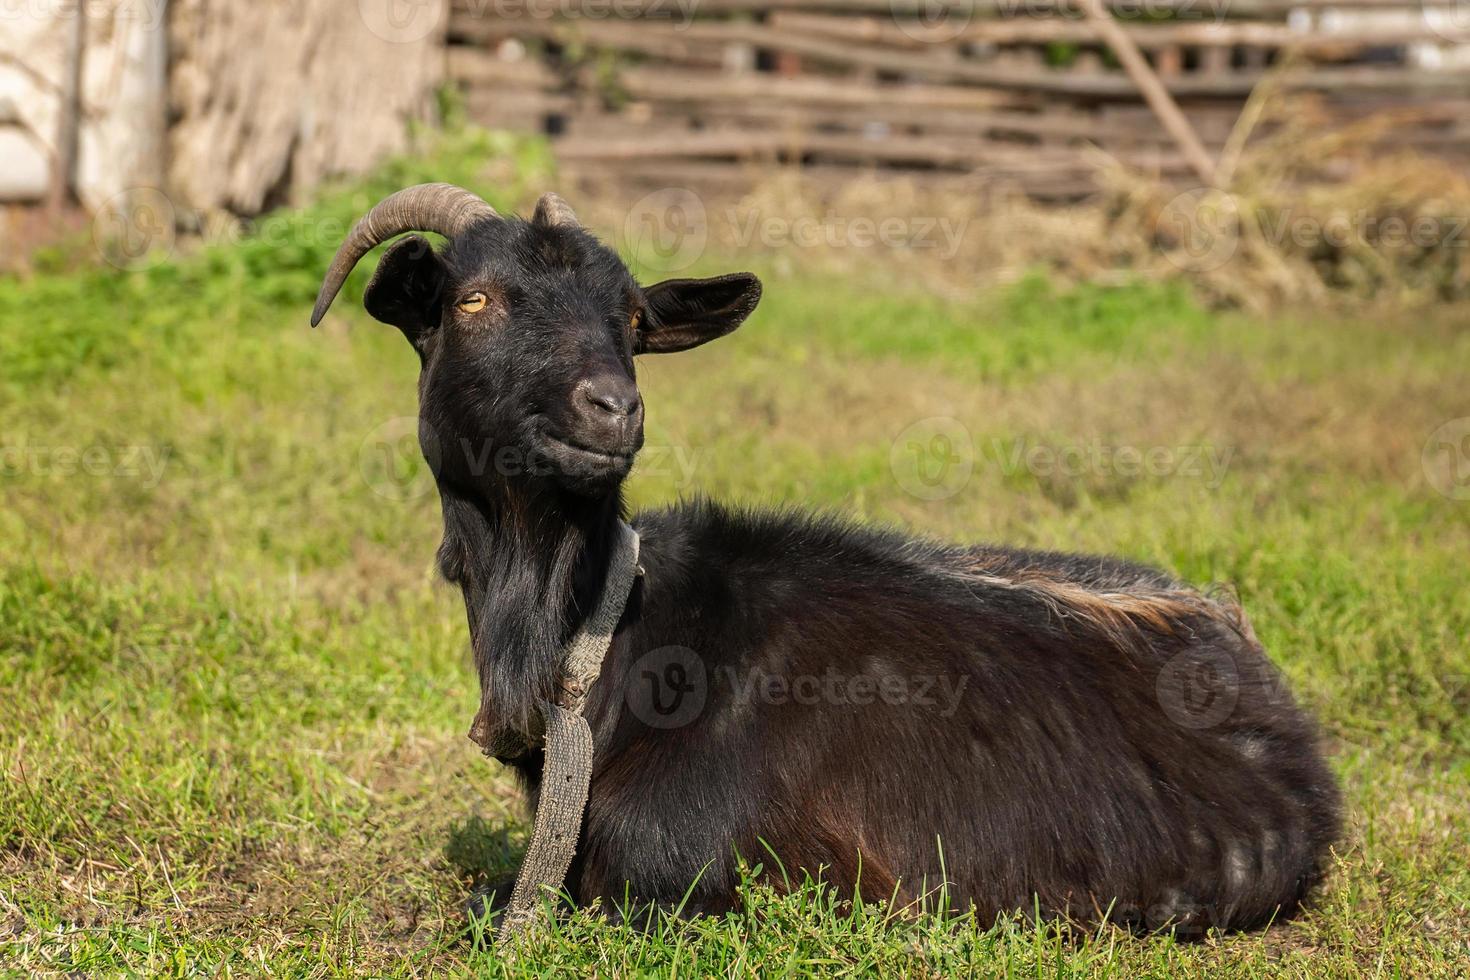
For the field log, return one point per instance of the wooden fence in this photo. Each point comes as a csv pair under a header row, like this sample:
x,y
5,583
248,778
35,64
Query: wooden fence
x,y
702,91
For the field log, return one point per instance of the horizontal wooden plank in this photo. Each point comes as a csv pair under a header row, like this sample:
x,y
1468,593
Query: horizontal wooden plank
x,y
657,38
815,102
1337,80
703,41
920,35
476,66
952,153
897,123
729,178
664,84
952,10
661,40
1117,124
523,111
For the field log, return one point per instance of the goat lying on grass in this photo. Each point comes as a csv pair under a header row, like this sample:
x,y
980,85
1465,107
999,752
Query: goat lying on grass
x,y
885,713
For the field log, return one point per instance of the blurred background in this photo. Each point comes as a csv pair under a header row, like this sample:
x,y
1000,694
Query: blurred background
x,y
1179,280
1096,134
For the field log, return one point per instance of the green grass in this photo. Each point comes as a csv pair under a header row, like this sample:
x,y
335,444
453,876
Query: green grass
x,y
235,697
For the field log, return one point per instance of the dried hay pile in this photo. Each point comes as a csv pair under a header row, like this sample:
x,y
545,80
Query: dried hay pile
x,y
1312,214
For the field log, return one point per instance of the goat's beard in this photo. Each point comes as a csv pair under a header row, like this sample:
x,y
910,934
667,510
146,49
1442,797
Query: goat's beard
x,y
530,562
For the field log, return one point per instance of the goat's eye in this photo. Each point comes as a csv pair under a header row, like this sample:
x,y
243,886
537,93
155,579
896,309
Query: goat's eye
x,y
473,303
636,320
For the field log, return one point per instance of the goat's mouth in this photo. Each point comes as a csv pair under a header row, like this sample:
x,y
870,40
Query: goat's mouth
x,y
582,463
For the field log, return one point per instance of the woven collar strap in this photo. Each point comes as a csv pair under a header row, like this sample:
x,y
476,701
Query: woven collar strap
x,y
567,771
583,660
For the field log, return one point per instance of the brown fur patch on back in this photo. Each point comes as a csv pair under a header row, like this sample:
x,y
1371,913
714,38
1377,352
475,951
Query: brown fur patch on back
x,y
1118,611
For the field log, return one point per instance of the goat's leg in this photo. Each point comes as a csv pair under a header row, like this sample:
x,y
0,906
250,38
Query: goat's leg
x,y
485,906
487,903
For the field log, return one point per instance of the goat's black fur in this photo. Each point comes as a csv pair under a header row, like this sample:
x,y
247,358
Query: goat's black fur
x,y
1053,759
1059,774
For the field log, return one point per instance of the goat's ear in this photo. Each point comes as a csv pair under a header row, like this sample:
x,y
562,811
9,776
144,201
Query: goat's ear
x,y
405,289
684,313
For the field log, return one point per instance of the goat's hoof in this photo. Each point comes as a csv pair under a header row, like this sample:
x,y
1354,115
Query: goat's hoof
x,y
484,908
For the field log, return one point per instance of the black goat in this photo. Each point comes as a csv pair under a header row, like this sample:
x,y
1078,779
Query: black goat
x,y
886,713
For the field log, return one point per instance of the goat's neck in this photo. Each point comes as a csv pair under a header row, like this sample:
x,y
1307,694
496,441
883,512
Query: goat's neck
x,y
530,568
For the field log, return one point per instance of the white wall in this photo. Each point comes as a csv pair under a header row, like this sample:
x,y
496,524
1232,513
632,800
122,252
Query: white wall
x,y
118,137
216,104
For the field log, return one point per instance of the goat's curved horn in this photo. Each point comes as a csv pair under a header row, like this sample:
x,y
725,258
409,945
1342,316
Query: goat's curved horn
x,y
553,212
442,208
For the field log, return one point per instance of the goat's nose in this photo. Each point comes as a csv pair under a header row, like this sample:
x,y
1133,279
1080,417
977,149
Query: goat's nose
x,y
615,395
